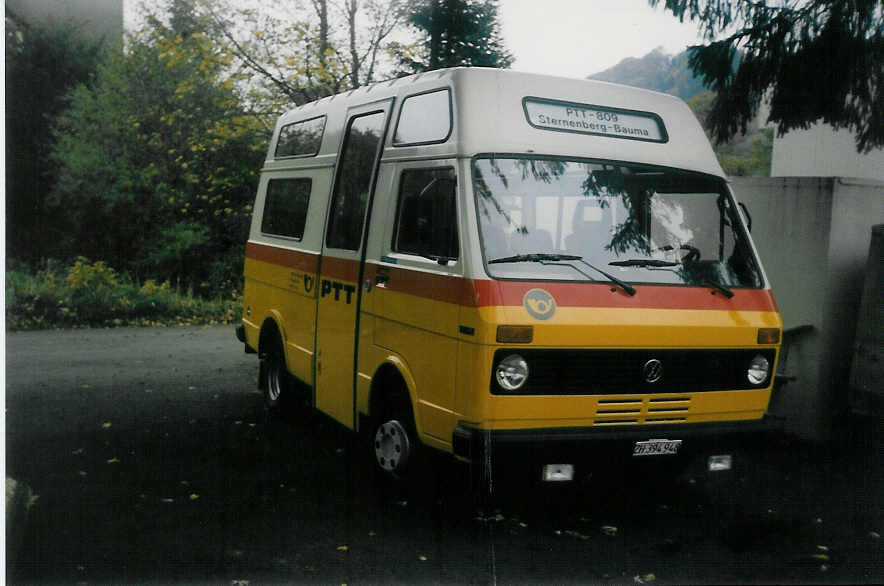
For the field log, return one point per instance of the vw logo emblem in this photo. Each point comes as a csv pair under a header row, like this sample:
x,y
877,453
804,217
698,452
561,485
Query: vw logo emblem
x,y
652,370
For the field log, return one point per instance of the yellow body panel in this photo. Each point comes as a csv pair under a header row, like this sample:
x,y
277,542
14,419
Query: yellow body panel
x,y
277,292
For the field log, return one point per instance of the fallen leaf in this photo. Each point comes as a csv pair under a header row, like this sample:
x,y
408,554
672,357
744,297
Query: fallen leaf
x,y
821,557
343,548
191,388
82,473
822,548
824,568
84,386
106,424
167,500
422,558
113,461
576,535
77,452
371,533
239,583
194,496
609,530
874,535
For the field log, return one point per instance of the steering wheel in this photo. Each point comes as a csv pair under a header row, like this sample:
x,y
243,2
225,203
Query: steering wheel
x,y
693,254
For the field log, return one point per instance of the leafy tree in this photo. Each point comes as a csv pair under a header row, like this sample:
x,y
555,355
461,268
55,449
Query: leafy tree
x,y
42,64
748,154
158,159
303,53
456,33
820,60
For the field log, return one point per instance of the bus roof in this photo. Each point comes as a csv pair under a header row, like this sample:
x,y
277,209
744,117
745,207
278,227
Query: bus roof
x,y
502,111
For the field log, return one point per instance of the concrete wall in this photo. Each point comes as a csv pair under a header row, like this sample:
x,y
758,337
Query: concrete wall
x,y
95,18
821,151
813,236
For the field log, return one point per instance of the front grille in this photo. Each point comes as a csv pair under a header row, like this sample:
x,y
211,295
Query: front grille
x,y
622,372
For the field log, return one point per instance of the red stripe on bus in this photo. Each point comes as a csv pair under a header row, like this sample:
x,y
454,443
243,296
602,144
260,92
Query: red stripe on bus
x,y
486,293
446,288
285,257
342,269
491,293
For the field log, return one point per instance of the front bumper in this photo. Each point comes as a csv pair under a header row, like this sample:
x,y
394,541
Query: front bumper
x,y
615,443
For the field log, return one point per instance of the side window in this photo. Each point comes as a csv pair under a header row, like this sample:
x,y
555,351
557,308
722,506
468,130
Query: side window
x,y
350,199
285,207
300,139
426,218
424,118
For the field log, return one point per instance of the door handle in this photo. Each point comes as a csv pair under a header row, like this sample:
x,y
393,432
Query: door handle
x,y
381,278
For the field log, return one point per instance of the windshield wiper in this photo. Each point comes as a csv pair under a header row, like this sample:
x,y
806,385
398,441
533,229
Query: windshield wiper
x,y
643,262
724,290
555,259
650,262
537,257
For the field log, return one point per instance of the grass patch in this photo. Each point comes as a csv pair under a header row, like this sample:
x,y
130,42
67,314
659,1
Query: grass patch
x,y
89,294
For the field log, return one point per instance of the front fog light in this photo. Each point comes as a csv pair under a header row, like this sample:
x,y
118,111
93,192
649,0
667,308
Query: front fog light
x,y
511,372
759,368
720,463
558,472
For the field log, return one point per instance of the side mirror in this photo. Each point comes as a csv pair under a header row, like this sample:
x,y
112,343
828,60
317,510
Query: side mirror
x,y
746,215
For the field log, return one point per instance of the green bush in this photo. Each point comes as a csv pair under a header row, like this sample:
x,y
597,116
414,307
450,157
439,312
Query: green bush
x,y
92,294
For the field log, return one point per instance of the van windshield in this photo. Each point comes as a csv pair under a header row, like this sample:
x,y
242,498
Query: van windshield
x,y
539,218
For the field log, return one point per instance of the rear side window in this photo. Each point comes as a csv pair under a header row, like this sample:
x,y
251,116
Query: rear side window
x,y
300,139
285,207
426,218
424,119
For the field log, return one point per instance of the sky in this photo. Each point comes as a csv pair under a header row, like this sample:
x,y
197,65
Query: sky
x,y
576,38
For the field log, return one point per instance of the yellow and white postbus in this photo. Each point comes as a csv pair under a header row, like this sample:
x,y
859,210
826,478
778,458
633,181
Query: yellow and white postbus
x,y
479,260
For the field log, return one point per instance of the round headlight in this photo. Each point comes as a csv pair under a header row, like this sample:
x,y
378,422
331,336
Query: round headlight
x,y
511,372
759,368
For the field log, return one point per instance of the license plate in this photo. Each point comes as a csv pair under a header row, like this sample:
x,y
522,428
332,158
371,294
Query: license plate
x,y
656,447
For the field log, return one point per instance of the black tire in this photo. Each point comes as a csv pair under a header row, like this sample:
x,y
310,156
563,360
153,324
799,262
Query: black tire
x,y
276,383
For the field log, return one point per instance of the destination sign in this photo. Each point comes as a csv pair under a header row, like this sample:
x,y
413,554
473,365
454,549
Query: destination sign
x,y
586,119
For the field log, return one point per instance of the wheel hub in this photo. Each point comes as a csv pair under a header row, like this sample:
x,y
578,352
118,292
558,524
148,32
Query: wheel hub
x,y
391,446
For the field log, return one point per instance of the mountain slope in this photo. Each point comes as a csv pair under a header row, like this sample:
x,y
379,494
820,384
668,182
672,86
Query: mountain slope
x,y
749,154
655,71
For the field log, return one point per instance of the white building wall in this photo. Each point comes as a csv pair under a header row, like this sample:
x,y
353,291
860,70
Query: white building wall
x,y
823,152
813,236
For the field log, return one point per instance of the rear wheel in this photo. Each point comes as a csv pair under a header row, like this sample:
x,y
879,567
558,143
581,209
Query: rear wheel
x,y
275,384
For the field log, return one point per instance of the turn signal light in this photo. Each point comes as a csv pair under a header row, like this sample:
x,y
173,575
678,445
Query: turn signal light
x,y
768,335
515,334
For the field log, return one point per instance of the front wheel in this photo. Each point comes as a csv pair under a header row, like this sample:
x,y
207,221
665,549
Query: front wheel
x,y
393,445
